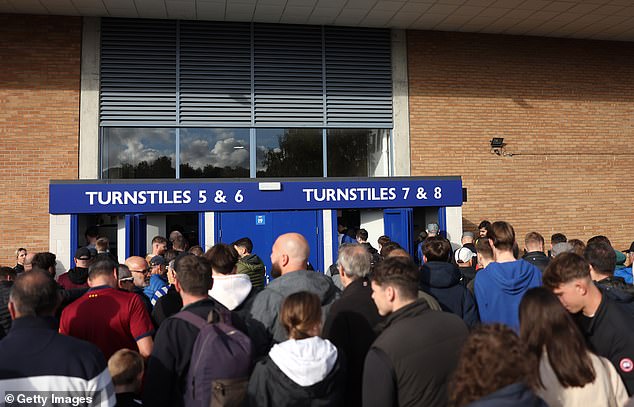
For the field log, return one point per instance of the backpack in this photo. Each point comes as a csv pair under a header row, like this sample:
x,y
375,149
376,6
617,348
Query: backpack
x,y
220,364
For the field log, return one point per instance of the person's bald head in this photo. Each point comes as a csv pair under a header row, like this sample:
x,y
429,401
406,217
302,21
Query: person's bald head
x,y
28,262
289,253
139,269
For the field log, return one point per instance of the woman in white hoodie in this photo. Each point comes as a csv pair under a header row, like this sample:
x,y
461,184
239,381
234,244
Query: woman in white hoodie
x,y
569,373
304,370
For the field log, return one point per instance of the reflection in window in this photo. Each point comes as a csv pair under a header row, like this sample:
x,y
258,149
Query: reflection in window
x,y
357,152
138,153
214,153
289,153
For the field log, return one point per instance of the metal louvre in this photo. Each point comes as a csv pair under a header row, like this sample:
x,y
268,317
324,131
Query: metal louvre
x,y
358,77
215,74
288,80
219,74
138,72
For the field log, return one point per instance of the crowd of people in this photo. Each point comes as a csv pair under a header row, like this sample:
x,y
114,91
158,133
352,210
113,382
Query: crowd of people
x,y
482,324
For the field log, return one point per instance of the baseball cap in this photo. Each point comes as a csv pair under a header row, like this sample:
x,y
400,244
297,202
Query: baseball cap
x,y
157,261
463,255
630,250
432,227
83,253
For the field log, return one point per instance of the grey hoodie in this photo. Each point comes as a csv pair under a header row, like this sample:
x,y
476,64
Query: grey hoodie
x,y
266,306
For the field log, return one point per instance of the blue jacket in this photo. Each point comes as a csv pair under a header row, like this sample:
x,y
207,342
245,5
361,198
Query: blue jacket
x,y
156,283
442,281
513,395
625,273
499,288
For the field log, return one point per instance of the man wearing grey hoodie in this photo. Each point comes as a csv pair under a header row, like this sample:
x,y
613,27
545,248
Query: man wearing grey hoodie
x,y
289,259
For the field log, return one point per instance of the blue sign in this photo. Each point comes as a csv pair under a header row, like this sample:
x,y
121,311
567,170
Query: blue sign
x,y
260,220
207,196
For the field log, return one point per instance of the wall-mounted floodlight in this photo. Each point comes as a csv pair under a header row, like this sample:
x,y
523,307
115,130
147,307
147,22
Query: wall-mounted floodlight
x,y
497,142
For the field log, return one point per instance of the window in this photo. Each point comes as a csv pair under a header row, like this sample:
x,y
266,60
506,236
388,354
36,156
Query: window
x,y
138,153
214,153
289,153
357,152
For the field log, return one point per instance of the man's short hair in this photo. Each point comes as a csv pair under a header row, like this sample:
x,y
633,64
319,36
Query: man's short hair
x,y
245,243
502,235
193,273
388,247
484,248
599,238
8,273
222,257
355,260
533,238
44,260
601,256
562,247
91,231
159,239
565,268
558,238
102,244
125,366
382,240
484,224
400,273
180,243
102,266
436,248
35,294
195,250
362,234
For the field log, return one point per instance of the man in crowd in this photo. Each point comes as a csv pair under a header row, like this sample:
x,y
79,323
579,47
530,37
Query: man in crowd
x,y
534,247
110,318
141,273
7,276
499,287
159,246
77,277
36,358
606,325
415,354
45,261
289,258
165,383
249,263
352,318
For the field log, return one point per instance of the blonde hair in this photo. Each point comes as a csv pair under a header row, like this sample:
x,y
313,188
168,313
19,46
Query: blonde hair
x,y
300,313
125,365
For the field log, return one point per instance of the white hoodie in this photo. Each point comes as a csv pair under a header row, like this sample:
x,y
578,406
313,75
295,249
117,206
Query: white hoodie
x,y
305,361
230,290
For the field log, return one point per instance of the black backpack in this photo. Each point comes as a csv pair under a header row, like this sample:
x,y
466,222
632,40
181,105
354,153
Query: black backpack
x,y
220,364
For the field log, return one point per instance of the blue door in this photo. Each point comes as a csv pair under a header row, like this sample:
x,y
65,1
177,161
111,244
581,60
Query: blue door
x,y
264,227
135,235
397,224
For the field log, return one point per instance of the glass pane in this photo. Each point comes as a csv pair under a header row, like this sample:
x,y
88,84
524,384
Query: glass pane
x,y
357,152
214,153
289,153
138,153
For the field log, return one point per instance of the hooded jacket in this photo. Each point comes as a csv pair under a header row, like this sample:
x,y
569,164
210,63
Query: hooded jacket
x,y
499,288
442,281
230,290
266,306
305,372
513,395
252,266
74,278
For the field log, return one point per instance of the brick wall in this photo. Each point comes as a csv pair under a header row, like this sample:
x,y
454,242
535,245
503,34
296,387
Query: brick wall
x,y
39,123
565,109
